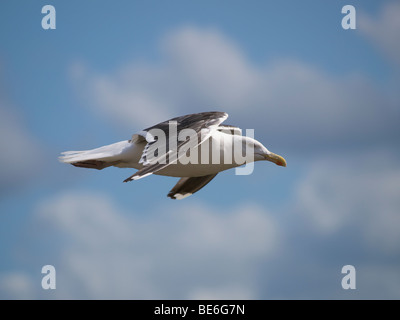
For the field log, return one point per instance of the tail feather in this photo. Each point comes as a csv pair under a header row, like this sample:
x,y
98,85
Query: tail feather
x,y
98,158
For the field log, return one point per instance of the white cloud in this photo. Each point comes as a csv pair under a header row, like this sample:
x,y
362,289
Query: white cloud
x,y
135,95
347,213
177,252
209,69
384,30
359,192
16,285
296,104
20,156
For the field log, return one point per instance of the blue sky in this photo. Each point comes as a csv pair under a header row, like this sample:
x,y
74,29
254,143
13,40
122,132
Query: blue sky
x,y
325,98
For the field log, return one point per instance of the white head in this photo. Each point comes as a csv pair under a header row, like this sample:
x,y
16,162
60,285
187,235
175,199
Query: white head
x,y
262,153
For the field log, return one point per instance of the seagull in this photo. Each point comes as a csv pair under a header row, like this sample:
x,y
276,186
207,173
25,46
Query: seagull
x,y
189,147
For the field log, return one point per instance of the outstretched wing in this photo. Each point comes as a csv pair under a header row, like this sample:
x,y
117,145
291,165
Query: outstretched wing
x,y
187,186
202,125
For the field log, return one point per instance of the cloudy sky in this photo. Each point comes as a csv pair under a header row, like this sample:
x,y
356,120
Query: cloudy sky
x,y
325,98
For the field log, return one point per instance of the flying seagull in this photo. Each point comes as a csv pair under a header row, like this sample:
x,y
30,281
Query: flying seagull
x,y
190,147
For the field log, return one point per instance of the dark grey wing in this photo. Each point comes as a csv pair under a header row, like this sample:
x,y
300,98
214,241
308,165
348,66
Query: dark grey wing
x,y
193,121
207,121
187,186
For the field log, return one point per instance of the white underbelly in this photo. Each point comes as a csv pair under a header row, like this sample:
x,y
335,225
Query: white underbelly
x,y
193,170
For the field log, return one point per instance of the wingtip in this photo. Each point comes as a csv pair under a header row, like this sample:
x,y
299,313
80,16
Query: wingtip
x,y
179,196
134,177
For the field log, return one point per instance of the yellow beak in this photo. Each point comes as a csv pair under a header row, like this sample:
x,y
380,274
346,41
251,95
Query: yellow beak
x,y
280,161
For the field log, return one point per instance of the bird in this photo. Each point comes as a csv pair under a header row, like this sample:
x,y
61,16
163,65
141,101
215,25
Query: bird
x,y
189,147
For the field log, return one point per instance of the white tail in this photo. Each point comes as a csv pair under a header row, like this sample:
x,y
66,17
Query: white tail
x,y
98,158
